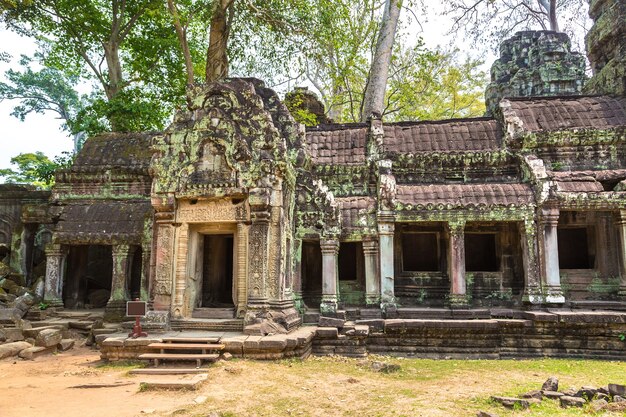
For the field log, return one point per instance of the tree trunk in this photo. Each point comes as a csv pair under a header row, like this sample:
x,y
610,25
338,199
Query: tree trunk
x,y
374,97
114,84
554,24
181,33
217,58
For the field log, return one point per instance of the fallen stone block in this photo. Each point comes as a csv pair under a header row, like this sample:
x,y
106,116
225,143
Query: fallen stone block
x,y
12,349
34,351
386,368
330,322
10,315
485,414
553,395
65,344
618,399
186,383
327,332
598,405
551,384
617,389
511,402
80,325
567,401
533,394
34,331
587,393
48,338
13,334
226,356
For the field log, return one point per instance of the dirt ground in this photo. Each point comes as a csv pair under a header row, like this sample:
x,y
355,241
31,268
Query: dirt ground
x,y
77,383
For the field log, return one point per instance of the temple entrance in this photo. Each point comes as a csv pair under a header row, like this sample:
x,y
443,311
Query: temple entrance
x,y
87,282
217,271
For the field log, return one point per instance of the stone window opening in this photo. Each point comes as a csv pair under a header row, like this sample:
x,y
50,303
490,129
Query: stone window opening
x,y
311,264
574,248
481,252
348,256
420,252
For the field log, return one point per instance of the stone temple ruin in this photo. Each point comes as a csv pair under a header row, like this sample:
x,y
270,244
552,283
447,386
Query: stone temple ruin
x,y
237,218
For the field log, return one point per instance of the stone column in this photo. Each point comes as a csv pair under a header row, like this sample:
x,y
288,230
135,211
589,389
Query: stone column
x,y
116,307
456,264
604,244
386,229
532,282
548,225
330,252
258,241
621,230
242,268
372,279
55,271
297,275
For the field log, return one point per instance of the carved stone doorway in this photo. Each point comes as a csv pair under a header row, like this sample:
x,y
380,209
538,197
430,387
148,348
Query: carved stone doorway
x,y
217,272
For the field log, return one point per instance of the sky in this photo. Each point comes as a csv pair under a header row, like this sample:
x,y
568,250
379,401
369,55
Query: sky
x,y
42,132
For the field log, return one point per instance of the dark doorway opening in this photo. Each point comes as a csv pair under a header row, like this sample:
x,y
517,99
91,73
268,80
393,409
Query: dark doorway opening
x,y
135,273
420,252
573,248
480,252
311,273
349,257
88,279
217,271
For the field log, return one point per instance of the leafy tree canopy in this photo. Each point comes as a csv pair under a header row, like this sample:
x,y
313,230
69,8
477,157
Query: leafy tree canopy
x,y
35,168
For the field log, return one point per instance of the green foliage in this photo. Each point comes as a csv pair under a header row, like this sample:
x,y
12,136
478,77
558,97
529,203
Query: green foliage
x,y
606,286
43,306
295,102
35,168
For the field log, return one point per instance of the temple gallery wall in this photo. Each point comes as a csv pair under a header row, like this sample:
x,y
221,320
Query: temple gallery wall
x,y
238,212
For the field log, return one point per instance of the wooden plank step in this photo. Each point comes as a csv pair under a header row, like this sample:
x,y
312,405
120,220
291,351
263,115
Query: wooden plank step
x,y
190,339
180,356
198,346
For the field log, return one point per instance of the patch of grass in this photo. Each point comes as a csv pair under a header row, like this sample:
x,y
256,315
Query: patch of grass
x,y
122,365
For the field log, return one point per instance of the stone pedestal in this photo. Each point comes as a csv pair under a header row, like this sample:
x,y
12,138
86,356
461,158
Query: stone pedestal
x,y
330,252
116,307
621,230
456,265
372,279
548,225
386,228
532,282
55,270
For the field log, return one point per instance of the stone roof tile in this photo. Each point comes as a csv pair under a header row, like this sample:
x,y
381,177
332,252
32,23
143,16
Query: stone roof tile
x,y
442,136
338,144
559,113
466,194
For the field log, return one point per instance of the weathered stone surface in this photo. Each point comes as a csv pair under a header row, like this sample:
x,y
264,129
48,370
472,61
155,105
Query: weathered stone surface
x,y
598,405
511,402
65,344
485,414
12,349
386,368
34,351
587,393
226,356
533,394
13,334
49,338
567,401
327,332
551,384
553,395
617,389
330,322
618,399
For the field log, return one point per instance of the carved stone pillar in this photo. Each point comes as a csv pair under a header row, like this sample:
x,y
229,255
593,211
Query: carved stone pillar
x,y
116,307
242,268
330,252
548,223
180,306
258,267
621,230
55,270
532,281
456,264
372,279
386,229
162,253
297,276
146,255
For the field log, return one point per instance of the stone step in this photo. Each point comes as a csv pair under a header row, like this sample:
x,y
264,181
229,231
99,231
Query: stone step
x,y
208,324
186,346
190,339
213,313
198,357
167,371
192,383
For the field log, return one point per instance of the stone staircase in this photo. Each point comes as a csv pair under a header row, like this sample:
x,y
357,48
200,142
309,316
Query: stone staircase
x,y
217,325
185,349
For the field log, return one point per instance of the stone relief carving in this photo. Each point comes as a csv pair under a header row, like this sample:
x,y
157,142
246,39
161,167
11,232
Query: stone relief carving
x,y
163,276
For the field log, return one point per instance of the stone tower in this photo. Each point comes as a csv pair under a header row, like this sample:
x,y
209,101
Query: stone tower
x,y
535,63
606,47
